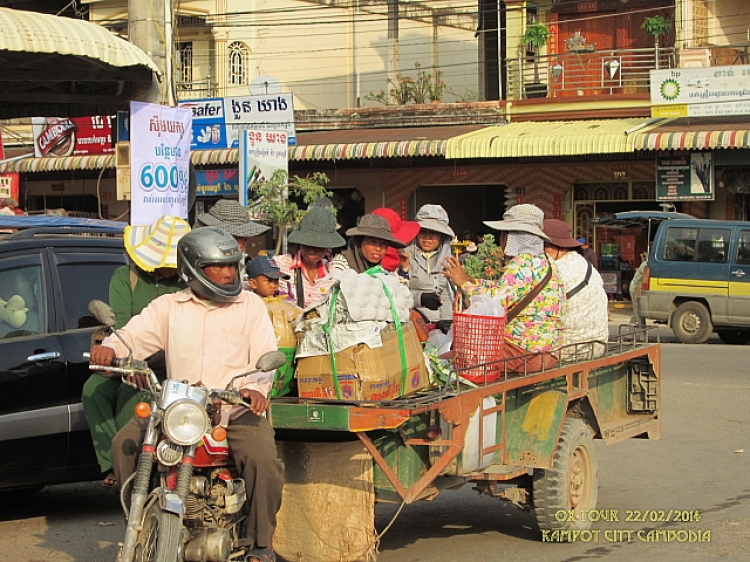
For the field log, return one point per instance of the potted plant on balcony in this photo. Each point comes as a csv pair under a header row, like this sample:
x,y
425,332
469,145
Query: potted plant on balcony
x,y
656,26
536,36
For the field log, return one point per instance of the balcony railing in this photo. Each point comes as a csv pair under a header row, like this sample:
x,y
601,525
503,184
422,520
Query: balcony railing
x,y
589,73
196,90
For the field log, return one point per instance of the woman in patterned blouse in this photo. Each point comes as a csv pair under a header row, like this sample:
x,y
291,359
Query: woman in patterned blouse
x,y
538,327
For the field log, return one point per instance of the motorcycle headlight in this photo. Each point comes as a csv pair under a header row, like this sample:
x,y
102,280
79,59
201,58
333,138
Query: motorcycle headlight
x,y
185,422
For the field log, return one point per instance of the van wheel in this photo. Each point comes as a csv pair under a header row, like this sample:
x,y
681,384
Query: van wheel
x,y
691,323
734,337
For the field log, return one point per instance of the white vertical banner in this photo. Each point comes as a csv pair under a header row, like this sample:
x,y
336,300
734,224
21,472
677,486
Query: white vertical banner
x,y
262,152
159,161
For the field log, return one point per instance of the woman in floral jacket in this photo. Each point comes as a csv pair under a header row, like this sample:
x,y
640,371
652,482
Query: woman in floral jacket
x,y
538,327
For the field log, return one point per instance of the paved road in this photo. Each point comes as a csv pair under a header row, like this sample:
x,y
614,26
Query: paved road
x,y
695,467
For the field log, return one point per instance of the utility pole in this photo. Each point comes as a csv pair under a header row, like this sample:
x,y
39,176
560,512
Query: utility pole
x,y
147,31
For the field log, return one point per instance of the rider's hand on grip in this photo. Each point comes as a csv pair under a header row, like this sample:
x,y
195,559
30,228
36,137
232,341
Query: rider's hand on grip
x,y
102,355
258,402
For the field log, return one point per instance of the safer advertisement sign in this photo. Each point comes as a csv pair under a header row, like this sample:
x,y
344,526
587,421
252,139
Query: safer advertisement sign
x,y
701,85
685,176
74,136
159,161
209,130
262,152
219,122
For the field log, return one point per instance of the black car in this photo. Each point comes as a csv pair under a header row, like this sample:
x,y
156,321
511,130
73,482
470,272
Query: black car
x,y
56,267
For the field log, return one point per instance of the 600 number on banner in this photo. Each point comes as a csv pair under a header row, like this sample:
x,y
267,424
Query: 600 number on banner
x,y
163,177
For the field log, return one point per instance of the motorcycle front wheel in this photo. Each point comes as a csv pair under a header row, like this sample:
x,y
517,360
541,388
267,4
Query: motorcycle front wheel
x,y
159,539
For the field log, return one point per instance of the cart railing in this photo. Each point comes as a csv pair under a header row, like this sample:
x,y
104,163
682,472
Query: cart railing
x,y
628,338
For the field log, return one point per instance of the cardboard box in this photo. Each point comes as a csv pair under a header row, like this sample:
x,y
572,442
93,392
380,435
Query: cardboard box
x,y
364,373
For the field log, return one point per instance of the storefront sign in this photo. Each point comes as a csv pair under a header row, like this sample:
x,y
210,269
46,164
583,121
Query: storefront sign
x,y
700,85
217,182
75,136
159,161
209,130
684,176
262,152
9,185
702,109
218,122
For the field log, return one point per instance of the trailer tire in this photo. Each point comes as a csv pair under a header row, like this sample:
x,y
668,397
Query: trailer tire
x,y
571,485
691,323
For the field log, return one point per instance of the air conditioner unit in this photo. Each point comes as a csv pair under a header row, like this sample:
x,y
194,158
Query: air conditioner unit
x,y
122,170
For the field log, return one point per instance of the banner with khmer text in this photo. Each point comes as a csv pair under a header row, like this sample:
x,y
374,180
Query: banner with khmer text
x,y
159,161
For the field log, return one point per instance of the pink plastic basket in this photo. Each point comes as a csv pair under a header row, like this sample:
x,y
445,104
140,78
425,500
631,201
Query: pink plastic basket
x,y
478,340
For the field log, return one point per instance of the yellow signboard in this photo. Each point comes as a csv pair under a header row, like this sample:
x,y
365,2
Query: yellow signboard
x,y
669,111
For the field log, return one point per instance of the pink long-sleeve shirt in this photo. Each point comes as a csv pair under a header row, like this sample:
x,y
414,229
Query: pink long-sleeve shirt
x,y
204,341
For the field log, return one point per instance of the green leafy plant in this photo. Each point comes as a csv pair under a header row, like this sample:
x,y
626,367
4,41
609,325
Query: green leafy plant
x,y
278,196
489,261
400,91
537,36
429,86
656,26
468,95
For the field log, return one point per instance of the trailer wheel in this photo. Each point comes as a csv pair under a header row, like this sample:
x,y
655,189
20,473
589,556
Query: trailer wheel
x,y
734,337
565,494
691,323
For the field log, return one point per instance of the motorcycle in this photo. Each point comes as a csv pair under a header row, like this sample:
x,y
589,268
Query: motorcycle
x,y
186,501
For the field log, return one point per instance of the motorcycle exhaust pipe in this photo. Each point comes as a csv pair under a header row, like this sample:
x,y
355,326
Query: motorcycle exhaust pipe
x,y
210,545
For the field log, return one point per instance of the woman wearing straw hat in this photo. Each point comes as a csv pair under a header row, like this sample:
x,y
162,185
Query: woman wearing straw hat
x,y
432,291
534,326
368,244
109,403
308,268
585,317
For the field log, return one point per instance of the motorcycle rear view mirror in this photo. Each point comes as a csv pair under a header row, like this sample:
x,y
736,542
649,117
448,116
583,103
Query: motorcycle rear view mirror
x,y
103,313
271,361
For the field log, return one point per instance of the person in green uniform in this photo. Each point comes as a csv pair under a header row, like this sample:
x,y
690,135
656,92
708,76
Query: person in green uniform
x,y
108,402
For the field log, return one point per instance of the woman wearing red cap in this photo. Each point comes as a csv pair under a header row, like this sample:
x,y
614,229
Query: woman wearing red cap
x,y
405,231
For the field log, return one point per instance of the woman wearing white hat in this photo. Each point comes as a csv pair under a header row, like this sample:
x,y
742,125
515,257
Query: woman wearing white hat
x,y
432,291
536,300
109,403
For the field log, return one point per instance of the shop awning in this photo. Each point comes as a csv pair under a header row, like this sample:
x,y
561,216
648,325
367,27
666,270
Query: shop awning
x,y
696,134
326,145
65,67
549,138
376,143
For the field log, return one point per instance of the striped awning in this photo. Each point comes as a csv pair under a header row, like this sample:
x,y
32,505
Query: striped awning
x,y
333,151
32,164
700,139
548,138
388,149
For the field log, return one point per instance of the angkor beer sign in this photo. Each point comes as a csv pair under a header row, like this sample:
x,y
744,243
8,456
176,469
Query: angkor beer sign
x,y
75,136
684,176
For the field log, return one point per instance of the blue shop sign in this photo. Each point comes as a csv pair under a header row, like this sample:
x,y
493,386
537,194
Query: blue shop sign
x,y
209,130
211,183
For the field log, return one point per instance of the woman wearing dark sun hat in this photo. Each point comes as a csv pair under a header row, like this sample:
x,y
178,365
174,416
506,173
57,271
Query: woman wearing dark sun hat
x,y
309,268
368,244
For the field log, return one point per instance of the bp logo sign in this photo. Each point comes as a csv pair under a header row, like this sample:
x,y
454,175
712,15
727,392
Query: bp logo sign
x,y
669,89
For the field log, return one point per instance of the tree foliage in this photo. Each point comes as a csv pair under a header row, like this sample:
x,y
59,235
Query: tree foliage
x,y
277,199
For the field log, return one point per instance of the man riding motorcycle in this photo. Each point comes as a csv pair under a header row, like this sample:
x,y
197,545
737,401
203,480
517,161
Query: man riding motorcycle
x,y
211,331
